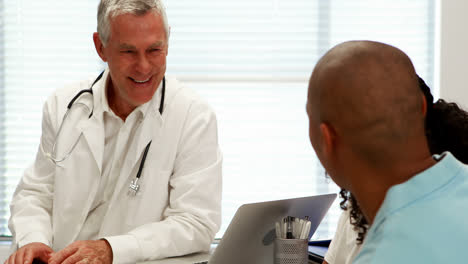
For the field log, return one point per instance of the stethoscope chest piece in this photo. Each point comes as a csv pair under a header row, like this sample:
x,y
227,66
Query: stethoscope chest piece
x,y
134,187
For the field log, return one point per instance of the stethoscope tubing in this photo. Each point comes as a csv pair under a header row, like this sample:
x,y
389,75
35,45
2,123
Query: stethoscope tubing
x,y
90,90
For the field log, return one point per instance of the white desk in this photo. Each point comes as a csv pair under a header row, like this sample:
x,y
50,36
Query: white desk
x,y
189,259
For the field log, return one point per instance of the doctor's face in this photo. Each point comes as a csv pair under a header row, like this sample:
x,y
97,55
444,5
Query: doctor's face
x,y
136,55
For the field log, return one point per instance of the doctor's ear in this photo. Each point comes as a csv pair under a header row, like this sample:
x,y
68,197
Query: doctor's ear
x,y
99,46
168,36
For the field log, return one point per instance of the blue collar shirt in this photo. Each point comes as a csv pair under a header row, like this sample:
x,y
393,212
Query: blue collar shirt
x,y
423,220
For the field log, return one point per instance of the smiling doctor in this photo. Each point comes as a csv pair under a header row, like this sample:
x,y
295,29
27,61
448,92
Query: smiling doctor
x,y
129,167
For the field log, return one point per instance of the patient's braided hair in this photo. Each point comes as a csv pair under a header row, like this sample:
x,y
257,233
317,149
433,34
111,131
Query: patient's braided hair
x,y
356,218
446,130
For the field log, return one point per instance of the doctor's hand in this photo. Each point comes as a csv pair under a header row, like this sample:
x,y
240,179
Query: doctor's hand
x,y
84,252
27,253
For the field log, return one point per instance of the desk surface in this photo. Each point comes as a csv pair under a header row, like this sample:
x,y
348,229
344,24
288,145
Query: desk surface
x,y
189,259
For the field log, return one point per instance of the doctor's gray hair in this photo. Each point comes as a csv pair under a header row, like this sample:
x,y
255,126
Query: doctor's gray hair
x,y
108,9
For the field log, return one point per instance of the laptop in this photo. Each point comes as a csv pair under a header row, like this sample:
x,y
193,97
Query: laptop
x,y
250,235
317,250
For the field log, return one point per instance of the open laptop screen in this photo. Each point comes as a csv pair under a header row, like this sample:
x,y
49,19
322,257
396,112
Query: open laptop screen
x,y
250,235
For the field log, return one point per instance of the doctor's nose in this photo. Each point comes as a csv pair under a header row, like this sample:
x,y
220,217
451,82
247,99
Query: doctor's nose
x,y
143,64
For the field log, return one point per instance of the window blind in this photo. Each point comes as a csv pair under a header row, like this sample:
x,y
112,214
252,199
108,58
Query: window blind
x,y
3,188
250,60
46,44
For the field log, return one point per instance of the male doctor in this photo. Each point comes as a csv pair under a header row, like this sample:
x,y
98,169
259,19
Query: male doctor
x,y
76,204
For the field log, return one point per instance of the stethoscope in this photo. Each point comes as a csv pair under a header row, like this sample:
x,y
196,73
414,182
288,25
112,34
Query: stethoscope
x,y
134,187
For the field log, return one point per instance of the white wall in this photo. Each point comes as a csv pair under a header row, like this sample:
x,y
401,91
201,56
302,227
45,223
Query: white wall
x,y
454,51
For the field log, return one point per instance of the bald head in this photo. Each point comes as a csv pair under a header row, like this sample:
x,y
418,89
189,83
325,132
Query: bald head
x,y
368,92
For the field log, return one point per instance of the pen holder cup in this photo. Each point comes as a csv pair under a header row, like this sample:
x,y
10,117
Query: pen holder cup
x,y
291,251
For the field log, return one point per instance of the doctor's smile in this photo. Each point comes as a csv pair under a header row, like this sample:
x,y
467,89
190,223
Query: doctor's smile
x,y
141,82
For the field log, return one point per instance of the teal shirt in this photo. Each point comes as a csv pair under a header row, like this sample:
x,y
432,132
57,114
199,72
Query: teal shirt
x,y
423,220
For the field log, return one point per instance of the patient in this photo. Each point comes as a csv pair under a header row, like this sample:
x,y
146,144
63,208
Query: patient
x,y
446,130
367,126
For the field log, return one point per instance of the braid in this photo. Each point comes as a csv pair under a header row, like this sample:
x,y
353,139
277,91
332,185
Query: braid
x,y
446,126
357,218
447,130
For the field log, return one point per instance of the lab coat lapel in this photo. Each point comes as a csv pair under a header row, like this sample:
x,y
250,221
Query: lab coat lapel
x,y
93,132
74,205
93,128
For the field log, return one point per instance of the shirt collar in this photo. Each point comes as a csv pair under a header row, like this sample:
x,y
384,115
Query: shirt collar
x,y
421,184
141,110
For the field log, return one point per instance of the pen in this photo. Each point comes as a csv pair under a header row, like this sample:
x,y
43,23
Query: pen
x,y
308,229
283,228
305,230
278,230
296,228
289,233
301,227
291,227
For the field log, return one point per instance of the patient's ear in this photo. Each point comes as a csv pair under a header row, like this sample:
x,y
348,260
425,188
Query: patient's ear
x,y
328,137
424,106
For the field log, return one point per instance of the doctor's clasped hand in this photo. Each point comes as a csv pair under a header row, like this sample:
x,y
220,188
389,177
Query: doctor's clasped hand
x,y
98,251
29,252
129,167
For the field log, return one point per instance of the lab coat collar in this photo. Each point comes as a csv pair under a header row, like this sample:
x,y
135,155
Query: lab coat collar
x,y
93,128
152,121
93,133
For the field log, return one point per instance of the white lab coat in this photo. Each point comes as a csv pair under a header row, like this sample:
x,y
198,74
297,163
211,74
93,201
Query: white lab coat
x,y
178,207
